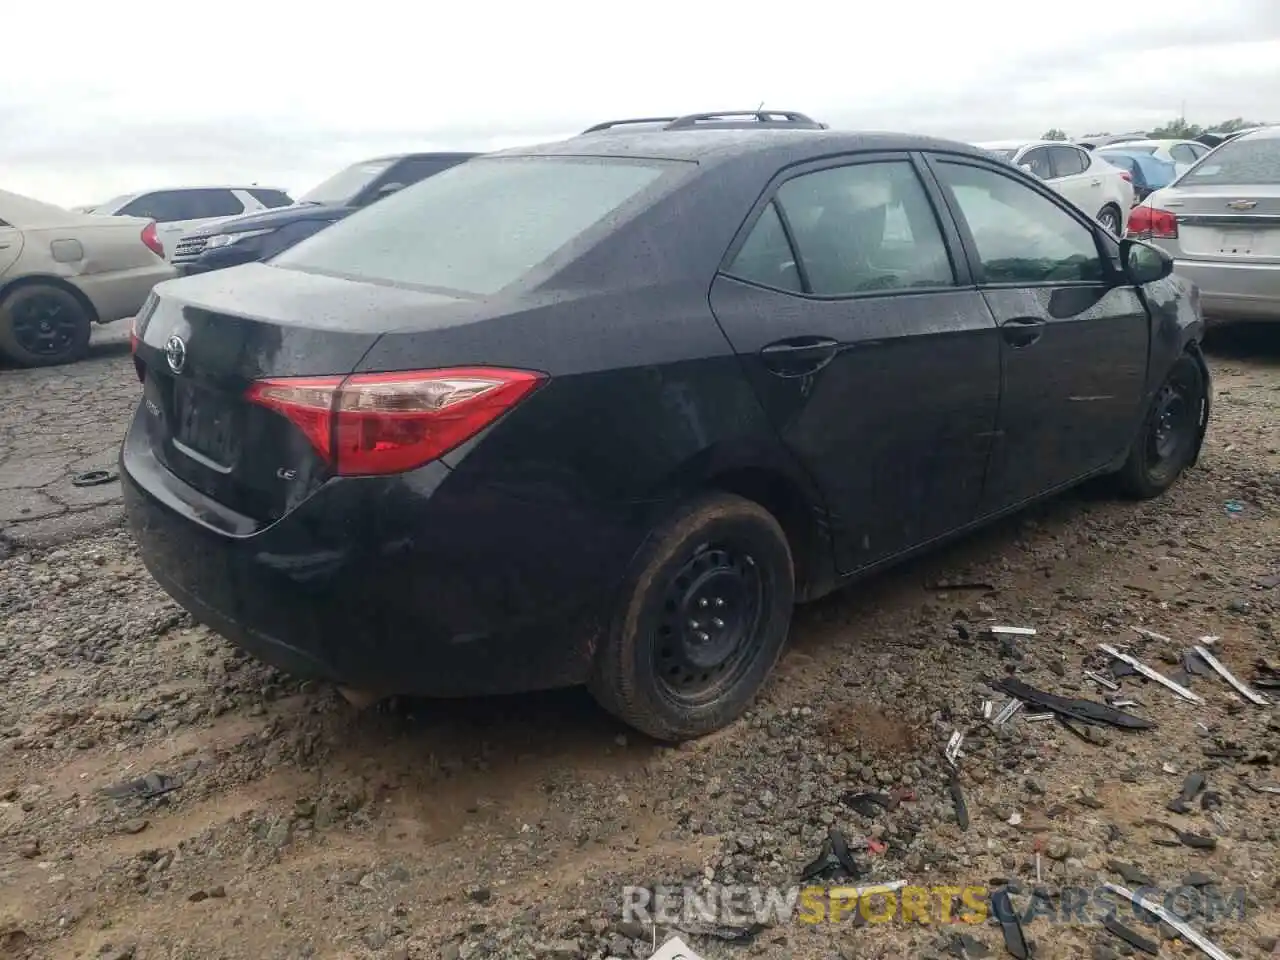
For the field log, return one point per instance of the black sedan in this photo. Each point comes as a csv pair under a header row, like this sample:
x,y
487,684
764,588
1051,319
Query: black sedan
x,y
602,411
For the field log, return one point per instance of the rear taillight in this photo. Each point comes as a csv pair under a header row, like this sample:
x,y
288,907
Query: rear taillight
x,y
1126,176
381,423
1152,223
152,239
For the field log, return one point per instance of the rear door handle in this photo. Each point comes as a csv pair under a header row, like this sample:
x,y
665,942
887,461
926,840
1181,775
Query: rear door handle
x,y
1022,331
798,356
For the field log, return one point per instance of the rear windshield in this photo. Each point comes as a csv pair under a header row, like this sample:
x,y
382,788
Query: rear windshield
x,y
1244,161
1141,148
480,226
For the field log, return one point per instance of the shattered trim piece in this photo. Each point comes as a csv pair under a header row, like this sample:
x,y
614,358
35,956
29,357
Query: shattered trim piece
x,y
1102,681
1188,933
1012,631
1151,674
1151,634
1038,717
1006,713
866,890
952,752
1227,675
675,949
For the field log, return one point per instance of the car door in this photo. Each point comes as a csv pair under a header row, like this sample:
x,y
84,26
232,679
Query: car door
x,y
1074,334
876,362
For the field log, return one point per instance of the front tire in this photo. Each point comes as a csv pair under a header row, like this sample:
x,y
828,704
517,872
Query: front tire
x,y
701,623
42,326
1109,217
1170,434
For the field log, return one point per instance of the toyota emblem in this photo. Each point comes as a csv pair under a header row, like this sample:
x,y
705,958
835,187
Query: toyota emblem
x,y
175,351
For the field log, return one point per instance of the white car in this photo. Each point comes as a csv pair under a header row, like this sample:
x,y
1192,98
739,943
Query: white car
x,y
181,209
61,272
1181,153
1095,186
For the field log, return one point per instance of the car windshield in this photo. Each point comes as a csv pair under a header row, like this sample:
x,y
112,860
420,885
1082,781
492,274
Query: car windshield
x,y
342,187
1248,161
480,226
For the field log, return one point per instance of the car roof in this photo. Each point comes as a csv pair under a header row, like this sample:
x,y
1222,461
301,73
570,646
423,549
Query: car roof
x,y
711,145
446,155
1006,144
1260,133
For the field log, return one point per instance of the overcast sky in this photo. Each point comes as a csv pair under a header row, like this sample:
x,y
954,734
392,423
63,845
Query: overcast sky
x,y
102,99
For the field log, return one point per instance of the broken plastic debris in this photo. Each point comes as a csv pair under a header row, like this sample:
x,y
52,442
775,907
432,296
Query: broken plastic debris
x,y
1189,933
987,709
1015,940
1150,674
867,890
962,808
953,747
1087,711
1151,634
1131,937
1102,681
675,949
1227,675
1038,717
143,788
1012,631
1009,709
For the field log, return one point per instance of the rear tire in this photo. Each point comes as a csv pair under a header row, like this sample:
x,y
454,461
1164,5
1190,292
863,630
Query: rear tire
x,y
1109,217
701,623
1170,433
42,326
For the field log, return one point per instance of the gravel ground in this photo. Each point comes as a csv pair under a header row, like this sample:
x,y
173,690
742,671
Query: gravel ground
x,y
288,825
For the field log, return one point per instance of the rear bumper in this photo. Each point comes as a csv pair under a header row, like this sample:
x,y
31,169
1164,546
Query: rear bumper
x,y
395,585
1233,291
121,293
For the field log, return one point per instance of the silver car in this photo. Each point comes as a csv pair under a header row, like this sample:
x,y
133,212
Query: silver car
x,y
1220,221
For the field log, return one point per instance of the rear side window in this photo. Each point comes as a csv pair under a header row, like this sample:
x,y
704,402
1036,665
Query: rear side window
x,y
480,226
865,228
1243,161
1068,161
270,198
1038,161
412,169
766,257
167,206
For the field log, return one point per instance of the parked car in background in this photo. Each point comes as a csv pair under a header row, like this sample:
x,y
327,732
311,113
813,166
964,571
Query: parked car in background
x,y
1095,186
600,411
1181,153
260,236
1220,221
62,272
180,209
1107,139
1146,172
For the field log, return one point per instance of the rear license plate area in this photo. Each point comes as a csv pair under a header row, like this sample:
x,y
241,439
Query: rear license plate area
x,y
204,426
1239,242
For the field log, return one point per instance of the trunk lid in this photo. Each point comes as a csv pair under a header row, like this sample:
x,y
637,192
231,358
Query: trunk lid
x,y
1225,222
203,340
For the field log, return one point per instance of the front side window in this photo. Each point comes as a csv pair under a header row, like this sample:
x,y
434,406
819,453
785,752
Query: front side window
x,y
271,199
1022,237
1245,161
341,188
212,203
1182,153
480,226
163,206
865,228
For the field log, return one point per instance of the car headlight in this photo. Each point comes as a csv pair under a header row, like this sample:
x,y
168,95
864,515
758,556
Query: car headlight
x,y
226,239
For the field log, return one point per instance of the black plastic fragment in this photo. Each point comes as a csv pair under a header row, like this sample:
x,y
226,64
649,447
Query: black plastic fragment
x,y
832,858
1197,879
1192,786
1132,875
1086,711
1120,669
143,788
1015,940
725,932
962,808
93,478
822,864
840,847
1196,841
968,948
1131,937
867,804
1194,664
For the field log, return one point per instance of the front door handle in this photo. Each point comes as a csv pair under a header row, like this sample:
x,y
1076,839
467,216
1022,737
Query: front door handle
x,y
1097,183
1022,331
798,356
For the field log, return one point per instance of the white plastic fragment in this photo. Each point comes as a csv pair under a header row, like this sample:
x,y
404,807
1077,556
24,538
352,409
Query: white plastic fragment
x,y
1227,675
987,709
675,949
866,890
1143,631
1004,716
953,747
1012,631
1038,717
1189,933
1150,674
1102,681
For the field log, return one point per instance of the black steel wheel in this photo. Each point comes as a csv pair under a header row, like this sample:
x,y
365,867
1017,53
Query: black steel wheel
x,y
1169,438
701,621
42,325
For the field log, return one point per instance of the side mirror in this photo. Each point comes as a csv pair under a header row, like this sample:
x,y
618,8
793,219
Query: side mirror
x,y
1027,168
1144,263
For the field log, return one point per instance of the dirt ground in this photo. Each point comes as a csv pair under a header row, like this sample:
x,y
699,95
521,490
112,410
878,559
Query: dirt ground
x,y
288,825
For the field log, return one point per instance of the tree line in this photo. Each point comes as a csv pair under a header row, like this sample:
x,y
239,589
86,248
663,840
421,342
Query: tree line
x,y
1173,130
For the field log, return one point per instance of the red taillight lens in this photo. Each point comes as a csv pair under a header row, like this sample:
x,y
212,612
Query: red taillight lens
x,y
152,239
1126,176
1152,223
380,423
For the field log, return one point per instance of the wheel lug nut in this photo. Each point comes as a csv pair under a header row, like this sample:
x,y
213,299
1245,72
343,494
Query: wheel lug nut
x,y
703,636
702,602
694,624
719,601
718,623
